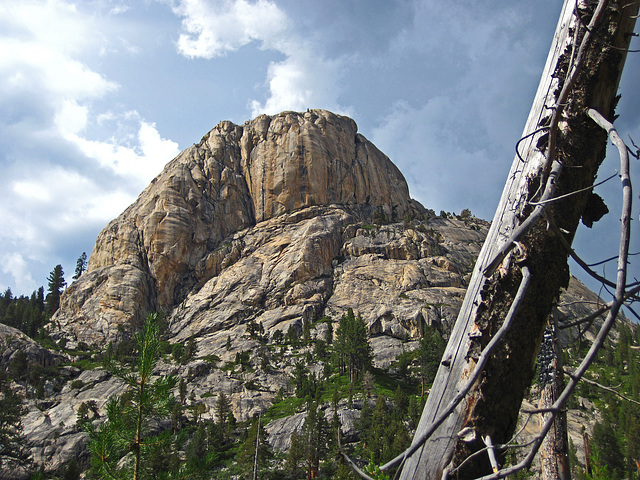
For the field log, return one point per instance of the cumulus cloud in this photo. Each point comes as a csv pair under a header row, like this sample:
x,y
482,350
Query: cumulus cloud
x,y
17,268
78,200
139,158
304,79
40,59
213,28
68,166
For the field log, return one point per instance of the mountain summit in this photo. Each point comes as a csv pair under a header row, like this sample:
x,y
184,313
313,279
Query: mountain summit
x,y
172,238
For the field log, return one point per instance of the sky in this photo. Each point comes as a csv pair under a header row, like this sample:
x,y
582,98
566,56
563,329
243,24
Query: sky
x,y
96,96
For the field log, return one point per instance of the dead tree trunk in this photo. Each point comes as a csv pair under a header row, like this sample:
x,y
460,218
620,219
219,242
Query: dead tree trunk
x,y
523,263
554,450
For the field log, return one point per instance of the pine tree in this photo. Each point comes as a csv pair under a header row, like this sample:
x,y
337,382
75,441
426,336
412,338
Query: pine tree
x,y
352,351
315,436
127,428
294,456
429,354
606,446
255,451
56,283
223,410
13,451
81,265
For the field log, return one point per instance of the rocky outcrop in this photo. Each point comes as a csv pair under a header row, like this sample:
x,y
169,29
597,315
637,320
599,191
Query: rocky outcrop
x,y
177,234
298,268
16,347
301,268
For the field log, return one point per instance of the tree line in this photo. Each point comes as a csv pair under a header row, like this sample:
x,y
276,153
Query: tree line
x,y
30,314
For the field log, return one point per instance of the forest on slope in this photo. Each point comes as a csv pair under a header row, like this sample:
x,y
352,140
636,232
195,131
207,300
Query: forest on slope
x,y
331,388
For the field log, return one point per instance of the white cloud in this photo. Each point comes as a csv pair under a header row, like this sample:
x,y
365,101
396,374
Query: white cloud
x,y
301,81
72,166
71,118
46,211
15,265
138,163
213,28
40,59
62,200
304,79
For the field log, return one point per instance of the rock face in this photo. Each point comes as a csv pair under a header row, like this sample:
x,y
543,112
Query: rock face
x,y
175,236
14,344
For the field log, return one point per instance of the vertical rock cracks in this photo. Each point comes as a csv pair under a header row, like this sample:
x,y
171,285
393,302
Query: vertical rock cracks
x,y
177,235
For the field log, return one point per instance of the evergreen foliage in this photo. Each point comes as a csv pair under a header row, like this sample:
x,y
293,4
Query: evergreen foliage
x,y
130,416
255,452
351,349
81,265
615,444
223,411
56,284
24,313
315,438
295,456
14,453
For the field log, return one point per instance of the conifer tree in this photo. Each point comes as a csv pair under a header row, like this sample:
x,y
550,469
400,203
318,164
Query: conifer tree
x,y
127,429
223,410
81,265
56,284
429,354
294,456
13,450
352,352
255,451
315,436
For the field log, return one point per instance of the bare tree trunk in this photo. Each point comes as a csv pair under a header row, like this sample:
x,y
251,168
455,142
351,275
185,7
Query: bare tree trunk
x,y
554,450
587,453
523,263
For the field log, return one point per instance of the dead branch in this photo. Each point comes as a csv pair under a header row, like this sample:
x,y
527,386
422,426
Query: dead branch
x,y
603,387
602,310
492,453
575,192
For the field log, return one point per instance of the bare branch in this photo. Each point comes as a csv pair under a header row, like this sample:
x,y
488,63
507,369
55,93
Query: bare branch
x,y
541,129
354,467
351,463
492,453
602,310
575,192
603,387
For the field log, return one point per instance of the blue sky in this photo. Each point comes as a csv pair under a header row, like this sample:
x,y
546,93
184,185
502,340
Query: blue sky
x,y
97,96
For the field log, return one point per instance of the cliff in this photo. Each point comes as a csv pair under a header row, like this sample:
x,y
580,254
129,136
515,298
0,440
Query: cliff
x,y
172,239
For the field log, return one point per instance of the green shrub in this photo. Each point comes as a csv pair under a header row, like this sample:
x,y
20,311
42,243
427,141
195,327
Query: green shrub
x,y
77,384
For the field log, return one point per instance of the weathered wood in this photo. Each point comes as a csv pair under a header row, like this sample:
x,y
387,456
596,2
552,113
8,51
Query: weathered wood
x,y
491,407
